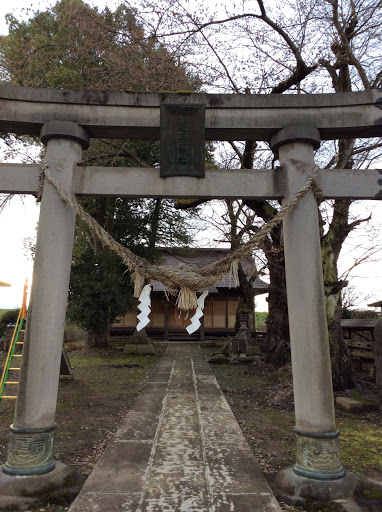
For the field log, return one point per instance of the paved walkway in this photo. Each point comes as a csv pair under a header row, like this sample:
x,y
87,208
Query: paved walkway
x,y
179,448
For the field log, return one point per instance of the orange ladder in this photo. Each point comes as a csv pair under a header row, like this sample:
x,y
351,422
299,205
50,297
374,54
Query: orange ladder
x,y
13,361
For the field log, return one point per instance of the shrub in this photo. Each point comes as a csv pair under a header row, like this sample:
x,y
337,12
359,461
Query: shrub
x,y
73,333
139,338
9,317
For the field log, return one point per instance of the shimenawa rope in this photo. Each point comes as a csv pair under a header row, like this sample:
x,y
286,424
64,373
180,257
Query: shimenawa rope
x,y
186,281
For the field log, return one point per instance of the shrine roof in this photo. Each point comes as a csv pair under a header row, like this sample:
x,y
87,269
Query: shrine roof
x,y
199,257
377,304
359,324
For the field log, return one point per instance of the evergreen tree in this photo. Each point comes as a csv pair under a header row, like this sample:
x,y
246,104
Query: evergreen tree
x,y
75,46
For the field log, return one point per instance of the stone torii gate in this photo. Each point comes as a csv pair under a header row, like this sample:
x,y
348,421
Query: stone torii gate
x,y
294,126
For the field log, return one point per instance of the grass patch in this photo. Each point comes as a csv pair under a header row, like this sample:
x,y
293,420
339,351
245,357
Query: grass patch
x,y
276,426
277,419
361,446
265,412
97,380
260,318
2,311
232,378
373,493
90,406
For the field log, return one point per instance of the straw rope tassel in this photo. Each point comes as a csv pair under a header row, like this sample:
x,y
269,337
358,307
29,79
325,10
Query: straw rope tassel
x,y
234,274
186,299
139,281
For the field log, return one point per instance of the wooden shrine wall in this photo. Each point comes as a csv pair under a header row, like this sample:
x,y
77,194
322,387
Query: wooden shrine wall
x,y
218,314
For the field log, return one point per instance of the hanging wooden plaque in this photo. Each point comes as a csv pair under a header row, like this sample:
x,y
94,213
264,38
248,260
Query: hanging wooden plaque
x,y
182,141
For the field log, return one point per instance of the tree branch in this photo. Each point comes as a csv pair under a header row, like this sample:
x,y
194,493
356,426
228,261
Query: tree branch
x,y
220,60
345,36
377,81
357,222
236,150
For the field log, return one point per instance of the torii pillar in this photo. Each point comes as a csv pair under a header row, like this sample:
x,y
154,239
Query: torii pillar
x,y
32,433
318,472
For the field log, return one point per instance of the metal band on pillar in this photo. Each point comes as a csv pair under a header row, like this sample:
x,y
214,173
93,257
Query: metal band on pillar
x,y
318,455
30,451
32,434
317,439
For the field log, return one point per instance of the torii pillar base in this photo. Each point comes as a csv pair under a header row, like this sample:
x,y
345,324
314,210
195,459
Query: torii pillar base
x,y
21,493
310,489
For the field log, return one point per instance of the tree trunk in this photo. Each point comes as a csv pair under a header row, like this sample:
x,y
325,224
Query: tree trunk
x,y
342,371
246,299
277,335
98,339
155,223
331,243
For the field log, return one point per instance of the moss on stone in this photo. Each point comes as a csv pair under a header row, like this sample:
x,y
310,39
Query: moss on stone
x,y
218,359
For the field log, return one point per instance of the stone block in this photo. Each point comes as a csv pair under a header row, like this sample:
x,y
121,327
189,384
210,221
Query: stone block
x,y
121,469
353,405
253,350
22,493
145,350
92,502
282,376
286,481
142,350
130,350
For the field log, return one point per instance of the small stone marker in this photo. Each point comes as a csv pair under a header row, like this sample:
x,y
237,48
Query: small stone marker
x,y
352,405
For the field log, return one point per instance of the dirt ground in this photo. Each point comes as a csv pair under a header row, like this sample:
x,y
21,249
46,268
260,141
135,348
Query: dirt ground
x,y
91,405
261,397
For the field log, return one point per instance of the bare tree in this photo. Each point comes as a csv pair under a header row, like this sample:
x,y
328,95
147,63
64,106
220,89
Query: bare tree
x,y
303,47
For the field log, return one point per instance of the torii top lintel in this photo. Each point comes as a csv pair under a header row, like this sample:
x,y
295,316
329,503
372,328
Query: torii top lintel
x,y
23,110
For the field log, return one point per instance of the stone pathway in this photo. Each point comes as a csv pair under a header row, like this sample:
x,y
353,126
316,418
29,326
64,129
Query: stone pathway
x,y
179,448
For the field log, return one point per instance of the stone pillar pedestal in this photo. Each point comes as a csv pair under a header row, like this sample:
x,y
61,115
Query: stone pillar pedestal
x,y
32,433
243,336
317,438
